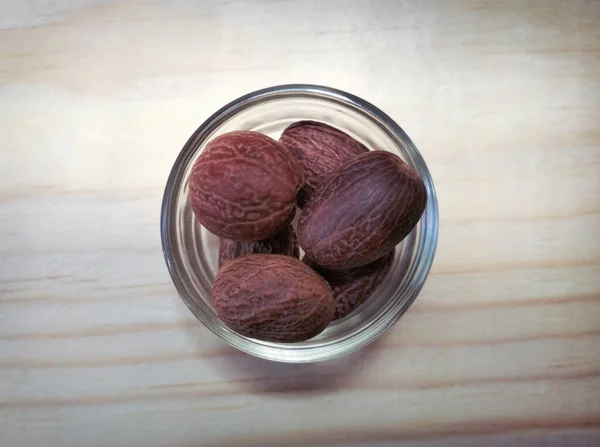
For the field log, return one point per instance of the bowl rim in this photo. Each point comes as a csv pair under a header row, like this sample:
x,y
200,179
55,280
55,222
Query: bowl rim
x,y
424,253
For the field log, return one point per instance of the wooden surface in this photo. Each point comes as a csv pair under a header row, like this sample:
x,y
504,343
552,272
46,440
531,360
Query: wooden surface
x,y
502,347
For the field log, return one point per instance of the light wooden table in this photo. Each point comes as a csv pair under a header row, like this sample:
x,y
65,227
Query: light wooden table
x,y
502,348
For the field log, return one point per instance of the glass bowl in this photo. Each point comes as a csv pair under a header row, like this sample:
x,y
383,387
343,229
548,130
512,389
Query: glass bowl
x,y
191,252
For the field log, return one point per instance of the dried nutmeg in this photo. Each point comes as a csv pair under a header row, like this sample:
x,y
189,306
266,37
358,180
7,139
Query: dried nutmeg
x,y
282,243
353,287
320,149
272,298
243,186
361,211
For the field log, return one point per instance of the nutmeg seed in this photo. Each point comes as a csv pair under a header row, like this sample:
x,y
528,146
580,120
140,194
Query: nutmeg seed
x,y
361,211
353,287
320,149
243,186
272,298
283,243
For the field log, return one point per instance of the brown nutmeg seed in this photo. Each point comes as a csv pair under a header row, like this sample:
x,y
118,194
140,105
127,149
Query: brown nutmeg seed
x,y
361,211
320,149
283,243
243,186
272,298
353,287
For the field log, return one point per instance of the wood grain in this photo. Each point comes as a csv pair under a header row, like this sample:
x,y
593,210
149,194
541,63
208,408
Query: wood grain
x,y
501,347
